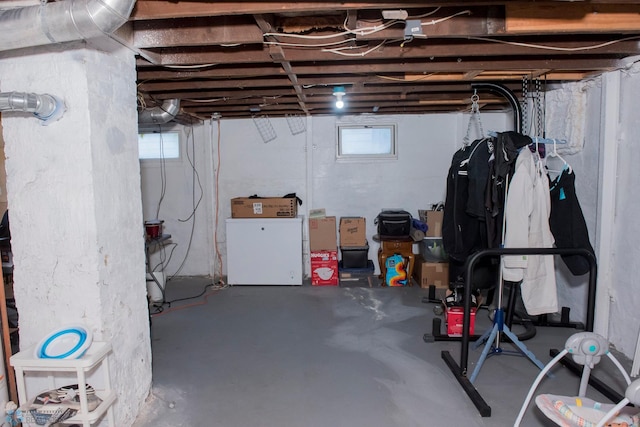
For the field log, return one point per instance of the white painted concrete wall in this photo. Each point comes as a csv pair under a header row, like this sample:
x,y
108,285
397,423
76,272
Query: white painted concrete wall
x,y
184,197
619,292
625,291
568,124
305,164
76,213
416,180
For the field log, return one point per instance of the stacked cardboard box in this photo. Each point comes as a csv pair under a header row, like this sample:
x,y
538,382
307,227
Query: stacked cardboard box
x,y
354,247
427,273
323,250
431,266
433,219
264,207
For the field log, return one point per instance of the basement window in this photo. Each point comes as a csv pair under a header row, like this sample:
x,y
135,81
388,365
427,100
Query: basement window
x,y
158,145
367,142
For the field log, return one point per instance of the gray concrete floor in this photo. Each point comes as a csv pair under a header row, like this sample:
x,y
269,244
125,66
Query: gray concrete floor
x,y
276,356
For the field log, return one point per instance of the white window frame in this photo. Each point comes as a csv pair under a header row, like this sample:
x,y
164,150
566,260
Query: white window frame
x,y
393,155
164,132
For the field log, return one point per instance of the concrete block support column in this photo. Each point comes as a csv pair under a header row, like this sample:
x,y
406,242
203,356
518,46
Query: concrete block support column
x,y
75,207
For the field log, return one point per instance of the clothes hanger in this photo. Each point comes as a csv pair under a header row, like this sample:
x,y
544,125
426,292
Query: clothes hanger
x,y
554,153
541,129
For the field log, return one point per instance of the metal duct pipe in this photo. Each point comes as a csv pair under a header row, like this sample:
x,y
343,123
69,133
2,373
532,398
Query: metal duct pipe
x,y
62,21
158,115
45,107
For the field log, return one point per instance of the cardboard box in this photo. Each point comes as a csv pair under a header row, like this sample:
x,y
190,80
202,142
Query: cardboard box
x,y
264,207
433,219
353,231
431,273
322,234
454,318
324,268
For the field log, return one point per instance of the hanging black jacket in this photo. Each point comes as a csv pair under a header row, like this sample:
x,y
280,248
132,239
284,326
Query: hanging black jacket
x,y
567,222
463,223
506,148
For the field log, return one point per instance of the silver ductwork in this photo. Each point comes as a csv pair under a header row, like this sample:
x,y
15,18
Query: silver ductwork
x,y
61,21
159,115
45,107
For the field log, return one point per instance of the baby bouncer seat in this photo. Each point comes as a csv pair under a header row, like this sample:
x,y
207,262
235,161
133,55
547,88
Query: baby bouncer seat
x,y
586,348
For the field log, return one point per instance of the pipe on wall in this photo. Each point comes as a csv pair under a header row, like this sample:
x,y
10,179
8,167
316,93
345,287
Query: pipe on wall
x,y
58,22
45,107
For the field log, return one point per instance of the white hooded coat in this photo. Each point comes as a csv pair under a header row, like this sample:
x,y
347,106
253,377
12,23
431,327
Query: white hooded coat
x,y
527,211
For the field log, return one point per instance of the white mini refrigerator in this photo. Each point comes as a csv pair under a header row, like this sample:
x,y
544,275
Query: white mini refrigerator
x,y
264,251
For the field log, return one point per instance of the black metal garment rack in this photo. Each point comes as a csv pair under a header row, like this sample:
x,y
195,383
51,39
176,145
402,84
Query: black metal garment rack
x,y
460,370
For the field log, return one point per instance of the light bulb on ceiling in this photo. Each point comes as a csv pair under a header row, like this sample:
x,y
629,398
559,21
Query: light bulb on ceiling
x,y
339,92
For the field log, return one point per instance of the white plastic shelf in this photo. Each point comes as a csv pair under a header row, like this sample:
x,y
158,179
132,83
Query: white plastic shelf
x,y
95,356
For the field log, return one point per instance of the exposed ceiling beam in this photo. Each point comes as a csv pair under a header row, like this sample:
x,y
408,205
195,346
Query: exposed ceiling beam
x,y
277,54
532,18
166,9
218,31
416,50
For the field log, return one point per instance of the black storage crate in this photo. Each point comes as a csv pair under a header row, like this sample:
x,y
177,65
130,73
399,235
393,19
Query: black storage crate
x,y
354,256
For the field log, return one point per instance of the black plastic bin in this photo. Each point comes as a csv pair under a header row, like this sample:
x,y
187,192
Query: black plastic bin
x,y
354,256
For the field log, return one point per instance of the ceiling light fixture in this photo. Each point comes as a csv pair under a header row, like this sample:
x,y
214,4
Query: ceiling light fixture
x,y
339,92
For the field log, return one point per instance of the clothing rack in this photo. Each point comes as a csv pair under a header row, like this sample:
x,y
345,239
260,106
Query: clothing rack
x,y
551,141
536,139
460,370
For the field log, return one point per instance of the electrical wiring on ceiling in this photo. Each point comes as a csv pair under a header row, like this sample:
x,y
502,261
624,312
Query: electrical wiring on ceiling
x,y
366,31
231,98
562,49
377,28
339,50
446,18
310,46
360,32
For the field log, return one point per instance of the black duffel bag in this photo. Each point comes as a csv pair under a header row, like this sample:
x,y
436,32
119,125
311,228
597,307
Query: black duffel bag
x,y
393,224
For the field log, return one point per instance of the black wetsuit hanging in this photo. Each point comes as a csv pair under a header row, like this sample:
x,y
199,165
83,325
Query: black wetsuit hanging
x,y
567,222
